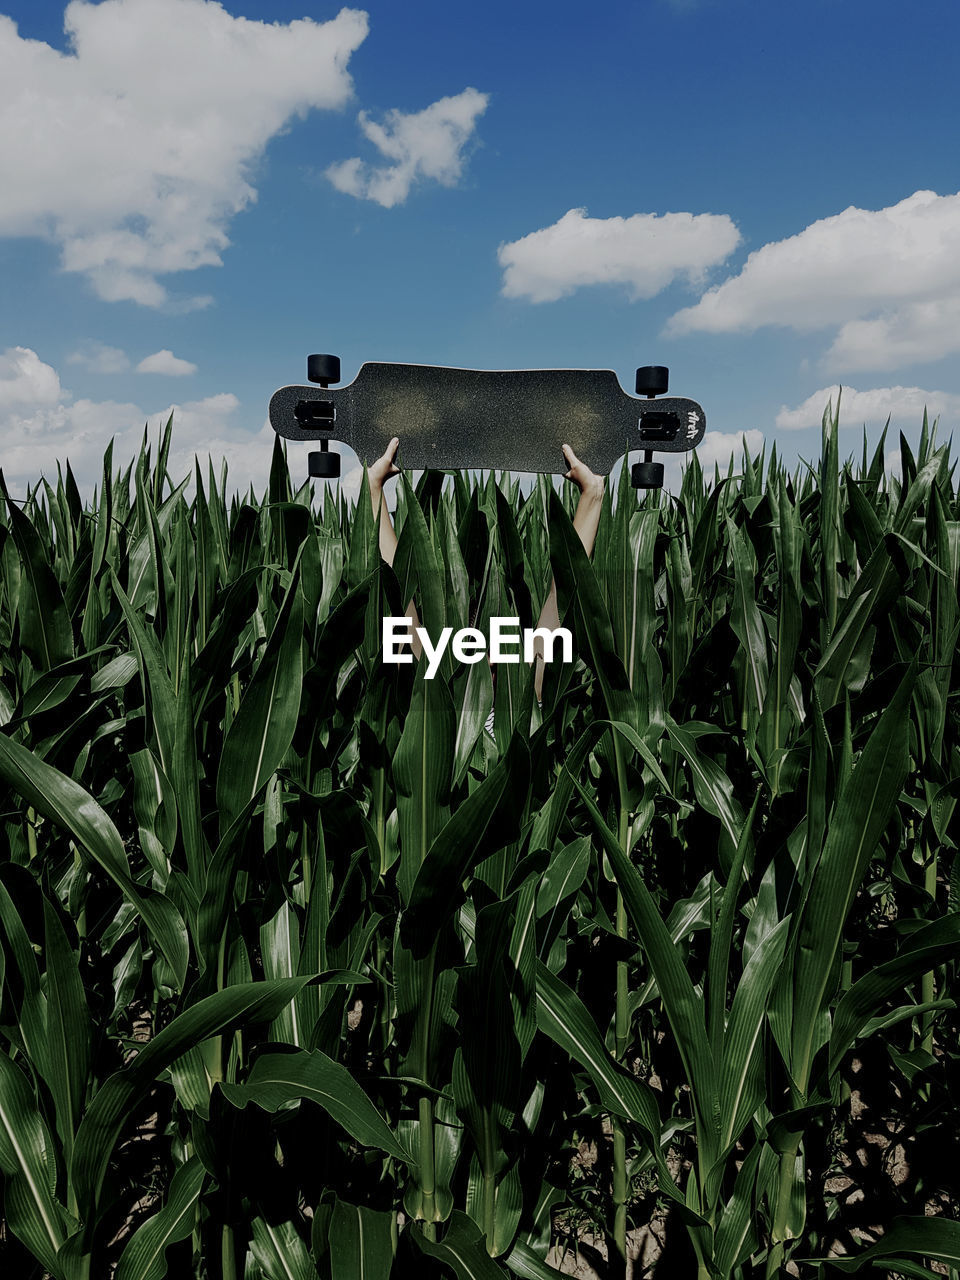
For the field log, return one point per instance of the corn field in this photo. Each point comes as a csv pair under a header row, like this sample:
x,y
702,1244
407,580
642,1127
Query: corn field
x,y
305,973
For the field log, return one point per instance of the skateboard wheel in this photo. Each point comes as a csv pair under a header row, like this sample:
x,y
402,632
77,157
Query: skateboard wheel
x,y
323,369
324,465
647,475
652,379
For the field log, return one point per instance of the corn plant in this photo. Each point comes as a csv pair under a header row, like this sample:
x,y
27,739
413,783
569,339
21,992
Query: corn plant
x,y
305,973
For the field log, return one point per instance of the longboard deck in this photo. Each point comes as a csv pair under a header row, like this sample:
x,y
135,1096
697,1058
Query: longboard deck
x,y
512,420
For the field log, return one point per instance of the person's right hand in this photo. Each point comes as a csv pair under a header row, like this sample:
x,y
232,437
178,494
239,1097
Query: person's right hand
x,y
590,485
380,471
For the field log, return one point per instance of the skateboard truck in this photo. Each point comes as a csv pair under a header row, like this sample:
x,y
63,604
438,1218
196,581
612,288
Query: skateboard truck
x,y
313,414
485,419
652,381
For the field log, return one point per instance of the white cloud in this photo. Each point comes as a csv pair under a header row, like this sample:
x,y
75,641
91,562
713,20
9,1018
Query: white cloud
x,y
887,280
166,362
41,425
917,333
133,151
418,144
645,252
97,357
904,405
25,381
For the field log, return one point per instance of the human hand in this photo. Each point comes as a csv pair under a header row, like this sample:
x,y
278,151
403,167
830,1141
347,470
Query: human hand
x,y
590,485
380,471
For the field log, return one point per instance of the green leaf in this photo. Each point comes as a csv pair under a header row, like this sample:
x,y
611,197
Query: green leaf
x,y
523,1262
106,1115
563,1016
67,804
68,1043
682,1005
359,1241
259,737
417,568
280,1252
863,810
280,952
876,588
488,819
422,771
278,1078
547,824
741,1082
746,622
712,787
144,1256
462,1249
33,1213
924,950
45,631
721,937
577,582
32,1010
935,1238
735,1237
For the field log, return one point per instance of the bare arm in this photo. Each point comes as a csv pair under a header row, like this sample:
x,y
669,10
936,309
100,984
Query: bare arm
x,y
378,473
585,521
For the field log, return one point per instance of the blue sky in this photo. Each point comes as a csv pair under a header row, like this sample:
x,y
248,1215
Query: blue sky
x,y
193,196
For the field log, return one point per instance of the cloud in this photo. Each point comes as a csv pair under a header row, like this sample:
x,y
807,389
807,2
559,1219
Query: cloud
x,y
41,425
97,357
917,333
645,252
25,381
887,280
904,405
135,149
166,362
419,144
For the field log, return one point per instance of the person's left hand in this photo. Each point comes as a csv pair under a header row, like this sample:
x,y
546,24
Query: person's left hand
x,y
380,471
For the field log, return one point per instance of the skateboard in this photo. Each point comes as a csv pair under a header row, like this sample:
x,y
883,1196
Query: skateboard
x,y
483,419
